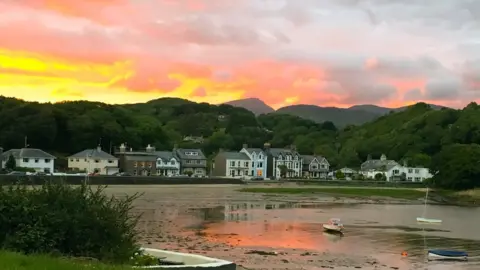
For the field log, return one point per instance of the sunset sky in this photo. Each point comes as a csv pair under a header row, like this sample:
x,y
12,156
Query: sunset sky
x,y
322,52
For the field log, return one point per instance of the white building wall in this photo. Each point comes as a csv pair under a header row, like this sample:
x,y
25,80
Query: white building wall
x,y
38,164
91,165
257,159
172,166
237,167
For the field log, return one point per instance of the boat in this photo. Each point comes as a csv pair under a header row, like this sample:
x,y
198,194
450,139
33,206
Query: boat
x,y
333,225
423,219
442,254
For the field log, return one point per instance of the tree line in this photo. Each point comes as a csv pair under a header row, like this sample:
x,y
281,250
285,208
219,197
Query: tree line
x,y
419,135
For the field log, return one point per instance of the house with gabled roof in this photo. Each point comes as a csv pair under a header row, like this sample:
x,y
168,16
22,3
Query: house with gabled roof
x,y
315,166
231,164
258,161
167,163
32,158
192,161
94,161
287,158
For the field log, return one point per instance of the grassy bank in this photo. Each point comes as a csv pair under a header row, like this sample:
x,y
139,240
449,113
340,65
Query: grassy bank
x,y
15,261
398,193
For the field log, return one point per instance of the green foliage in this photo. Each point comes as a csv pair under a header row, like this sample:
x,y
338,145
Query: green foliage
x,y
283,170
24,169
380,177
457,167
65,220
11,164
339,175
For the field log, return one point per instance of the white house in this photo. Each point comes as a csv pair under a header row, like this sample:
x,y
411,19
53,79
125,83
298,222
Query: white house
x,y
167,163
315,166
259,161
94,161
289,158
413,174
232,164
32,158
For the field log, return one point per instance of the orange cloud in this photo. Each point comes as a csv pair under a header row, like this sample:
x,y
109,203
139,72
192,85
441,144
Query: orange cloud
x,y
214,51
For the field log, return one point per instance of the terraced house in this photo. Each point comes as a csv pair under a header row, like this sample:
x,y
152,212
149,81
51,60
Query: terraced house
x,y
259,161
231,164
315,167
287,159
93,161
192,161
136,163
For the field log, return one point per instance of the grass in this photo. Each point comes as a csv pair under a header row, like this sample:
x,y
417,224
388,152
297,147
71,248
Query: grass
x,y
16,261
399,193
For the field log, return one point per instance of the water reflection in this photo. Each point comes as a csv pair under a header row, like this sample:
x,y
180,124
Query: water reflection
x,y
381,230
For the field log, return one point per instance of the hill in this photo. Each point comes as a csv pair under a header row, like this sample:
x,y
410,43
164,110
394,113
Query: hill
x,y
254,105
418,134
340,117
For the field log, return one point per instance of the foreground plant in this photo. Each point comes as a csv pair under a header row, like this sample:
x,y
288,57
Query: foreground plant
x,y
64,220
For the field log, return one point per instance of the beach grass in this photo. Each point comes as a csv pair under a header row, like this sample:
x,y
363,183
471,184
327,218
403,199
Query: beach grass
x,y
16,261
398,193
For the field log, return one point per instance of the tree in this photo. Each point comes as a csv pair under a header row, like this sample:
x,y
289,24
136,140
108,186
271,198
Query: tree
x,y
339,175
283,170
380,177
11,164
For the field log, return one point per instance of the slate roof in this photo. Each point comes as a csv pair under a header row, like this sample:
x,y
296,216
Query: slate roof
x,y
233,155
256,150
27,153
93,153
165,155
275,152
377,164
140,156
180,153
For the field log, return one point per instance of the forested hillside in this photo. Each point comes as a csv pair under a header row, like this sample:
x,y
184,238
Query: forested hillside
x,y
419,134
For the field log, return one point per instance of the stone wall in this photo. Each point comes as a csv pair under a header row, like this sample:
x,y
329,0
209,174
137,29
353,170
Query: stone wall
x,y
118,180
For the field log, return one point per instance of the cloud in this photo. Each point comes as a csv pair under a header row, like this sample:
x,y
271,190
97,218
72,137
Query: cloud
x,y
330,53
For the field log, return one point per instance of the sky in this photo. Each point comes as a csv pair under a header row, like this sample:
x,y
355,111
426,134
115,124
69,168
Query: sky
x,y
322,52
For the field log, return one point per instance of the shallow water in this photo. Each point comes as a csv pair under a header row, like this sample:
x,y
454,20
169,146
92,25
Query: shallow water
x,y
381,231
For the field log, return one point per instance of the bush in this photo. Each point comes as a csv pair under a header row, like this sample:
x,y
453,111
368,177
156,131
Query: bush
x,y
60,219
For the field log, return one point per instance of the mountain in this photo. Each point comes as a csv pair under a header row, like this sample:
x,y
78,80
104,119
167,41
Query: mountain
x,y
254,105
340,117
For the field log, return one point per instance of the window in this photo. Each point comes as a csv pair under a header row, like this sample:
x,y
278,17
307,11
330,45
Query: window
x,y
260,165
97,161
36,160
71,160
260,156
245,164
410,171
297,165
232,173
314,167
135,165
396,171
322,166
417,178
239,164
110,161
76,160
25,160
135,171
198,162
417,171
253,164
232,163
172,162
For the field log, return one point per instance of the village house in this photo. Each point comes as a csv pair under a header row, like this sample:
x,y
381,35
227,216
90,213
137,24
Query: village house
x,y
315,167
167,164
393,171
93,161
192,161
136,163
259,161
287,158
231,164
31,158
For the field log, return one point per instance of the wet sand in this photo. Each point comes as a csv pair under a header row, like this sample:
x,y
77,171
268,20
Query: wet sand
x,y
171,220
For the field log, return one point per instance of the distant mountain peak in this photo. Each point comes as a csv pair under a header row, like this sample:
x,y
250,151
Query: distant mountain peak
x,y
255,105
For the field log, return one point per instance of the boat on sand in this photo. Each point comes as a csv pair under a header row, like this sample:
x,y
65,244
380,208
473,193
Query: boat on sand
x,y
333,225
443,254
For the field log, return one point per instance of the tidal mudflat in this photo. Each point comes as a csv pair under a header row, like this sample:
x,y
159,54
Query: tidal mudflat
x,y
283,231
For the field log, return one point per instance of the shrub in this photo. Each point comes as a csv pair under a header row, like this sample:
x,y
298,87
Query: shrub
x,y
60,219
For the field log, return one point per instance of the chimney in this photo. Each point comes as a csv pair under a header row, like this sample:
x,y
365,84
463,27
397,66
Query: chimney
x,y
175,146
99,148
131,149
405,164
150,149
266,146
245,145
122,148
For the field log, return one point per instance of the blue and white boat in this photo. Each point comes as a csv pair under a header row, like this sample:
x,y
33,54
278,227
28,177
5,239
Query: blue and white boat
x,y
442,254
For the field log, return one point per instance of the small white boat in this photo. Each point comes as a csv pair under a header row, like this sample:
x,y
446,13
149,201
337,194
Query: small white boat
x,y
423,219
429,220
441,254
333,225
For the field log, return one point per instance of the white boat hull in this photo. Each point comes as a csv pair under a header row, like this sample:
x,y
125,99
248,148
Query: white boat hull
x,y
333,228
432,256
428,220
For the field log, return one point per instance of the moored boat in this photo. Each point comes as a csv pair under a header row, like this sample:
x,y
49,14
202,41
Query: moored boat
x,y
333,225
429,220
442,254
